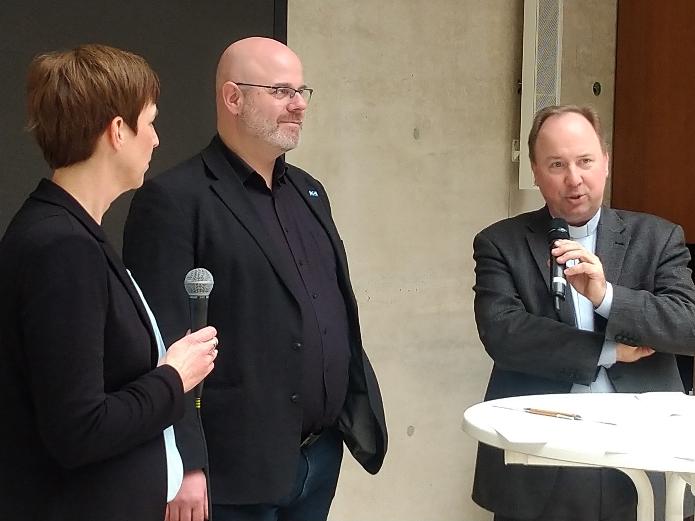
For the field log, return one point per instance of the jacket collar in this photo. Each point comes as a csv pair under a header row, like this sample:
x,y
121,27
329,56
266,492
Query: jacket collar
x,y
227,184
49,192
612,239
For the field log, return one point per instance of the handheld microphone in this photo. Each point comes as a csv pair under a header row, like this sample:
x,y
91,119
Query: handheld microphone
x,y
198,284
558,283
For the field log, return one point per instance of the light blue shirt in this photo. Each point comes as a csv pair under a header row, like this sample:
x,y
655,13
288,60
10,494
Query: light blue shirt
x,y
174,463
584,311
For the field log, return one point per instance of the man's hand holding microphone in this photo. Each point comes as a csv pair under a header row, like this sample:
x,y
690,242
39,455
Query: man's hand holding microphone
x,y
587,277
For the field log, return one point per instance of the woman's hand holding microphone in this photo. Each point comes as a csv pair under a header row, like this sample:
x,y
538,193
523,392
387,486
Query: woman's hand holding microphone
x,y
193,356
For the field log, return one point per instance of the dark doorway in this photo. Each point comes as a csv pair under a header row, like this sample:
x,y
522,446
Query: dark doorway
x,y
654,110
655,117
181,40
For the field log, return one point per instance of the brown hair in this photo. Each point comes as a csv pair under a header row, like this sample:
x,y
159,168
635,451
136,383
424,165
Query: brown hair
x,y
73,96
556,110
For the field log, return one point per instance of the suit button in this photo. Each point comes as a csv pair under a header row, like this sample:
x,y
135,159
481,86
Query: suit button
x,y
296,346
294,398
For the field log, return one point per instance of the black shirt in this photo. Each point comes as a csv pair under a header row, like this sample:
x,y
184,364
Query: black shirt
x,y
307,250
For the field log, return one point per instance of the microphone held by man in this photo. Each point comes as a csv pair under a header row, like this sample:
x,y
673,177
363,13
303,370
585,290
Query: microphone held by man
x,y
558,282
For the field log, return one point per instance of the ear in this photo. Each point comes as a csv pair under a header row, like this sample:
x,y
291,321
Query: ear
x,y
231,97
115,132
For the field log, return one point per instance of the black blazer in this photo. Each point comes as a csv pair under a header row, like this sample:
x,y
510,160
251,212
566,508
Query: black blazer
x,y
538,351
85,404
198,215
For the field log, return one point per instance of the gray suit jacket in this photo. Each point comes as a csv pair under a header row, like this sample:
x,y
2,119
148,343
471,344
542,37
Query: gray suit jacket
x,y
539,351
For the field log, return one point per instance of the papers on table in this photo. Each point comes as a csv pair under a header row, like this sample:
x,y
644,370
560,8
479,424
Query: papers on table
x,y
623,424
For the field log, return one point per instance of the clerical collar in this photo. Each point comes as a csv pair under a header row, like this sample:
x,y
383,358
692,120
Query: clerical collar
x,y
586,230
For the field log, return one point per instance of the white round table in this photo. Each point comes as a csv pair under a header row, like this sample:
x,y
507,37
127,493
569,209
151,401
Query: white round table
x,y
629,432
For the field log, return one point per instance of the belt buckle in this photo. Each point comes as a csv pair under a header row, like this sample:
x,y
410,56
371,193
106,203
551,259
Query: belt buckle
x,y
309,440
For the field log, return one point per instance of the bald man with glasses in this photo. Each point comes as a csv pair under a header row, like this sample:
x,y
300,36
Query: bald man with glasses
x,y
292,381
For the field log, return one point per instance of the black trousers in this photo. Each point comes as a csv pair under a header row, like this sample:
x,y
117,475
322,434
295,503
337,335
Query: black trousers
x,y
588,494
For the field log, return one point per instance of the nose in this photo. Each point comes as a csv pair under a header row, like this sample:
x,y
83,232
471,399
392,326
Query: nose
x,y
573,177
297,102
155,139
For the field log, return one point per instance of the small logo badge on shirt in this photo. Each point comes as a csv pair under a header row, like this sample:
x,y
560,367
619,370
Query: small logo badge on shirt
x,y
313,193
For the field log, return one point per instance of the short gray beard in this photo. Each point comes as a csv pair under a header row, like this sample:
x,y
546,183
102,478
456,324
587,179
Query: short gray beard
x,y
268,132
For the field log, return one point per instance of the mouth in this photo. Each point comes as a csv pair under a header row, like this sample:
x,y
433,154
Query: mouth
x,y
576,197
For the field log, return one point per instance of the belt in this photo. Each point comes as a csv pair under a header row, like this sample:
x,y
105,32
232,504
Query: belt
x,y
310,440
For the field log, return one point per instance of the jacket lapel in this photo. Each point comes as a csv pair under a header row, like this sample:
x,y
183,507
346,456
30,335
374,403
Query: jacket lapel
x,y
536,239
611,243
118,268
231,191
317,201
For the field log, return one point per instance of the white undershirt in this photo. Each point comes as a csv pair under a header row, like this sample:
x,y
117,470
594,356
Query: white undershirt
x,y
173,458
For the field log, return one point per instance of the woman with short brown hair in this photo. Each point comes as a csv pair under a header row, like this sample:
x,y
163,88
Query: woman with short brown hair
x,y
88,386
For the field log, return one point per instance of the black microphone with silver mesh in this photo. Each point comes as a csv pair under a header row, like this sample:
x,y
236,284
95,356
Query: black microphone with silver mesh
x,y
558,283
198,284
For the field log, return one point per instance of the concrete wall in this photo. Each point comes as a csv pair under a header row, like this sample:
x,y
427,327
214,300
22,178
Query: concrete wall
x,y
410,129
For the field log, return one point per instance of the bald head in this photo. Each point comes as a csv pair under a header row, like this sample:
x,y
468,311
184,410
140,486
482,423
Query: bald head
x,y
259,110
257,60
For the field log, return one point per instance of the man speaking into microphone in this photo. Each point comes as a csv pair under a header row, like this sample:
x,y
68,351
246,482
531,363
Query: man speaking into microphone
x,y
629,306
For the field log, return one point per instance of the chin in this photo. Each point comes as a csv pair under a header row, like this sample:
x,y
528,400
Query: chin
x,y
288,144
138,183
579,219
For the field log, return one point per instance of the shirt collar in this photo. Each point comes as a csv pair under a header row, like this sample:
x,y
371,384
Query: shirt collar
x,y
586,230
244,171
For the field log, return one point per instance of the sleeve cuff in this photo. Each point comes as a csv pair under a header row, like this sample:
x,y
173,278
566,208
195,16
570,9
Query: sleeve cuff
x,y
609,354
605,308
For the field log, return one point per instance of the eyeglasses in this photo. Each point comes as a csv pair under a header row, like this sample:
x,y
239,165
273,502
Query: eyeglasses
x,y
283,92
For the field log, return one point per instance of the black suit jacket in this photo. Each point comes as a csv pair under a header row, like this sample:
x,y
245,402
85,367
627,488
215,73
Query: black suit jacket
x,y
85,405
538,351
199,215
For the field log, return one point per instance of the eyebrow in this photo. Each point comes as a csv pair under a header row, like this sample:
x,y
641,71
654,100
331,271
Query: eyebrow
x,y
285,84
585,154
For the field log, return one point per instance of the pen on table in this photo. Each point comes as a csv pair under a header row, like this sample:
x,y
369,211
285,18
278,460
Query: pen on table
x,y
554,414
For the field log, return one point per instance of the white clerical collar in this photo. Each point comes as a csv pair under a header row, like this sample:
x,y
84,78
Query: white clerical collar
x,y
586,230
